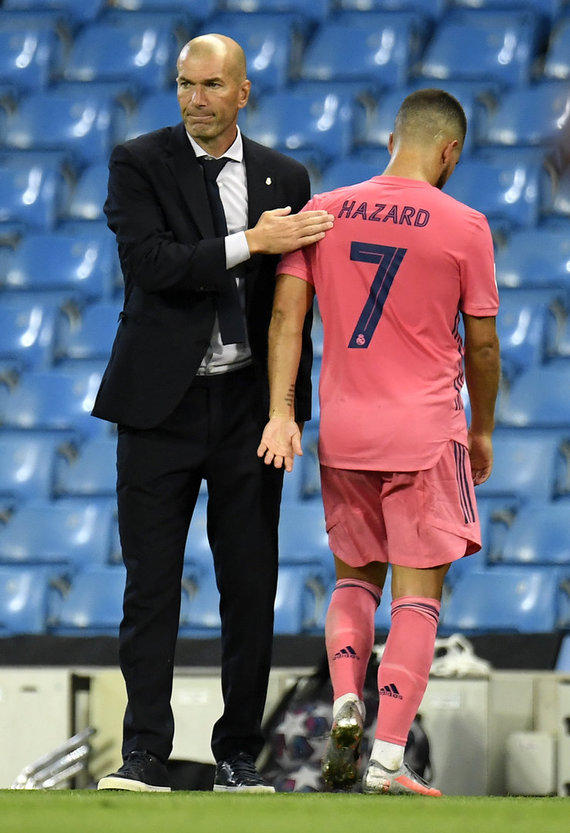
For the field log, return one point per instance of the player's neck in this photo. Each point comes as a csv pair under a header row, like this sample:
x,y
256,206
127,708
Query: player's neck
x,y
411,166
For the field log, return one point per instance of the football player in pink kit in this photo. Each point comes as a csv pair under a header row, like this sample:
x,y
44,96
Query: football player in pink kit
x,y
402,264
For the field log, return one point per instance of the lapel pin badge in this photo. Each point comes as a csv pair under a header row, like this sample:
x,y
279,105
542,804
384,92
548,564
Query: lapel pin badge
x,y
268,181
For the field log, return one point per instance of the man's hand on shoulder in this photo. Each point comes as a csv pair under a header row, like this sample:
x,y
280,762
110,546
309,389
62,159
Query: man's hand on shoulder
x,y
278,231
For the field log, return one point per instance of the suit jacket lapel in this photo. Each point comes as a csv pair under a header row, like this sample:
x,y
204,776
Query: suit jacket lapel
x,y
187,172
260,182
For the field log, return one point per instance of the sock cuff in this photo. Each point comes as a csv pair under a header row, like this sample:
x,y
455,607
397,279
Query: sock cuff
x,y
372,589
426,607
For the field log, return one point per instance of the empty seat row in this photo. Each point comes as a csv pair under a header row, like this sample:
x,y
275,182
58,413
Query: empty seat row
x,y
530,464
37,599
89,118
63,300
79,533
387,47
513,192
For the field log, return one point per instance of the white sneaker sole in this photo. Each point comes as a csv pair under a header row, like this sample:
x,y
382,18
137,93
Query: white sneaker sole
x,y
111,782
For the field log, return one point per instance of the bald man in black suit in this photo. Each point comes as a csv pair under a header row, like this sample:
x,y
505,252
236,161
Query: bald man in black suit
x,y
187,385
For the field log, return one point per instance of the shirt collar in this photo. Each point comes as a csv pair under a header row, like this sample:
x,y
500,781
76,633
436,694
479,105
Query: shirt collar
x,y
234,152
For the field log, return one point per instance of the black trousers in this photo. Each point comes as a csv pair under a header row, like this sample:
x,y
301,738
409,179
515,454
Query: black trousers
x,y
212,435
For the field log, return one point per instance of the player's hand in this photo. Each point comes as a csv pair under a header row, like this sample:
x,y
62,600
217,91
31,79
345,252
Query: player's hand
x,y
280,442
278,231
481,456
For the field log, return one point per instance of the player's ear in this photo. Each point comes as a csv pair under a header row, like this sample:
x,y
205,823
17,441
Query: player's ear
x,y
391,144
448,150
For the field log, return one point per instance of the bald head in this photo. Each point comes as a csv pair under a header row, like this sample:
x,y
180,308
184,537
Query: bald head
x,y
227,51
429,116
212,88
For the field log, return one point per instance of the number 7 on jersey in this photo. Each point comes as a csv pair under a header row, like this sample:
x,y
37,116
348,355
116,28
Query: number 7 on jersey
x,y
389,260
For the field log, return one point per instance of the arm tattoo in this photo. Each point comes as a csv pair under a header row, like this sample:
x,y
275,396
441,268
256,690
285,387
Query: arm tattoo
x,y
290,396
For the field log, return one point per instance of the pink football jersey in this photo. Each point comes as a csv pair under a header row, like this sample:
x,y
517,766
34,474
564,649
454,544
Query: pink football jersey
x,y
391,278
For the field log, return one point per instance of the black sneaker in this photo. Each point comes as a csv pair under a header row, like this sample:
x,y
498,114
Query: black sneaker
x,y
141,772
238,774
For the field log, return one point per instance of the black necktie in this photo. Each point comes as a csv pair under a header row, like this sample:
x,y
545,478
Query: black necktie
x,y
230,316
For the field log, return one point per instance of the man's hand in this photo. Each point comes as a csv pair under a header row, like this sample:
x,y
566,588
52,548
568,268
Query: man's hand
x,y
481,456
278,231
280,442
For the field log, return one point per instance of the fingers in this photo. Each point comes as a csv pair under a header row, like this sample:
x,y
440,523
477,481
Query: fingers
x,y
481,475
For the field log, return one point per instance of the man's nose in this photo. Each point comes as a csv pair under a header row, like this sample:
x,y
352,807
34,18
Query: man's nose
x,y
199,96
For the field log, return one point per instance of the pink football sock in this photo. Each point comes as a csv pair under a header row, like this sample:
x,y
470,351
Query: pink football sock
x,y
405,666
349,634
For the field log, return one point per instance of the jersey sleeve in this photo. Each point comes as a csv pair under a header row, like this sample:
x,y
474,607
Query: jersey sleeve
x,y
479,294
299,262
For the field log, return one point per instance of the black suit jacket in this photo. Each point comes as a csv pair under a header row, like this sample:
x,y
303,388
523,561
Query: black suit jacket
x,y
173,266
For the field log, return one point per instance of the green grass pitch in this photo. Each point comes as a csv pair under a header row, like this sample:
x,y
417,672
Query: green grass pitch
x,y
84,811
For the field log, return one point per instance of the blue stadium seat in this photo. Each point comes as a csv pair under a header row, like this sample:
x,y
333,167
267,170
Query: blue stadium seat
x,y
432,8
563,659
527,465
33,190
559,344
197,549
271,43
31,56
83,121
84,265
53,401
535,258
383,48
89,194
128,47
508,599
302,597
506,192
289,121
522,326
27,462
89,334
197,9
316,10
303,537
75,533
200,608
500,46
539,398
548,8
27,330
557,61
155,110
540,534
24,599
529,115
348,170
558,202
92,605
81,11
87,470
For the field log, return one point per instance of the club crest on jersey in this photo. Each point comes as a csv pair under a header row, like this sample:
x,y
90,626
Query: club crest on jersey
x,y
361,339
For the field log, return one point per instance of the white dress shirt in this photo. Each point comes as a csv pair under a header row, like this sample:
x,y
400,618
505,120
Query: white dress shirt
x,y
232,185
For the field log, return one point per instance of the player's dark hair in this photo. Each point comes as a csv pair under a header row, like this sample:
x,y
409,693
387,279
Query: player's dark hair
x,y
424,110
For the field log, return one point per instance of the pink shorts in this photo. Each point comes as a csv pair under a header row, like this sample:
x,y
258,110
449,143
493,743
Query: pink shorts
x,y
414,519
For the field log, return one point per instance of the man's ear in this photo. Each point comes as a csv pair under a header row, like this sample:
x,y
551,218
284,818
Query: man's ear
x,y
391,144
448,149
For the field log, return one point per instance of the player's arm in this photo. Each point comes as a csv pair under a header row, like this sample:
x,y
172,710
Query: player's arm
x,y
482,373
281,438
